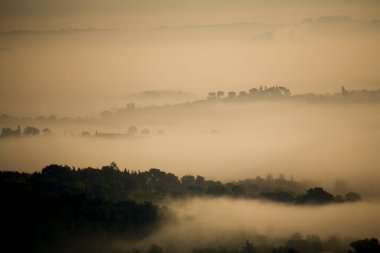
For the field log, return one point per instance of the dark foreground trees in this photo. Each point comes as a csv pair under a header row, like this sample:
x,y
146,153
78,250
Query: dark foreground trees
x,y
303,245
43,215
72,222
365,246
62,209
111,184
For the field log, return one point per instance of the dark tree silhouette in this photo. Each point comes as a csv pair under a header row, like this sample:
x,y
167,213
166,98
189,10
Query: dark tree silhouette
x,y
6,132
248,248
284,250
280,196
31,130
315,195
187,181
199,180
155,249
365,246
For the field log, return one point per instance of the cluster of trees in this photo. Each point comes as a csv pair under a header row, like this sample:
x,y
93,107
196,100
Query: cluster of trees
x,y
262,93
319,196
29,130
132,131
365,246
7,131
112,184
296,244
254,92
281,91
85,209
309,245
52,212
345,96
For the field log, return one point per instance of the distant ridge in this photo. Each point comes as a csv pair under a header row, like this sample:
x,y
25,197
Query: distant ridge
x,y
64,30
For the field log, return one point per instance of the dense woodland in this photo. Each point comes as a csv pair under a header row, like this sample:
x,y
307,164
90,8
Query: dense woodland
x,y
68,208
51,209
112,184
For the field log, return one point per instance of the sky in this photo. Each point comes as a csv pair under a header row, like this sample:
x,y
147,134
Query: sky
x,y
137,14
82,57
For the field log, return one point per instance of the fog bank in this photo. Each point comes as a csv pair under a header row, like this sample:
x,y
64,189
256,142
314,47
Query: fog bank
x,y
226,222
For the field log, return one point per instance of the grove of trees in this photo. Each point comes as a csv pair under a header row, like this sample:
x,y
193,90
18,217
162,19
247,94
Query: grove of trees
x,y
64,209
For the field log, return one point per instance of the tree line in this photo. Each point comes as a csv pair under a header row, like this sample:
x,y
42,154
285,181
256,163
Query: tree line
x,y
112,184
312,244
71,208
28,131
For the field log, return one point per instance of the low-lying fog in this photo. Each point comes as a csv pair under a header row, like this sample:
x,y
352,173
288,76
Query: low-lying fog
x,y
227,222
222,142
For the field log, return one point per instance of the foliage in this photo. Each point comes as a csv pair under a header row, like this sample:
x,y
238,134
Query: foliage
x,y
365,246
112,184
61,207
66,207
315,195
31,131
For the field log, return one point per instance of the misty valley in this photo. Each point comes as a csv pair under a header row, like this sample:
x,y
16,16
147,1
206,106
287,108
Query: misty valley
x,y
178,126
246,176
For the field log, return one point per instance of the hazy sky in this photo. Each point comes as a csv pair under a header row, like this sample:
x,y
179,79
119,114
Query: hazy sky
x,y
209,45
132,14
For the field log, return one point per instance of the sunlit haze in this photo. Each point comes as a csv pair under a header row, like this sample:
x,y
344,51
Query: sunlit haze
x,y
203,126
